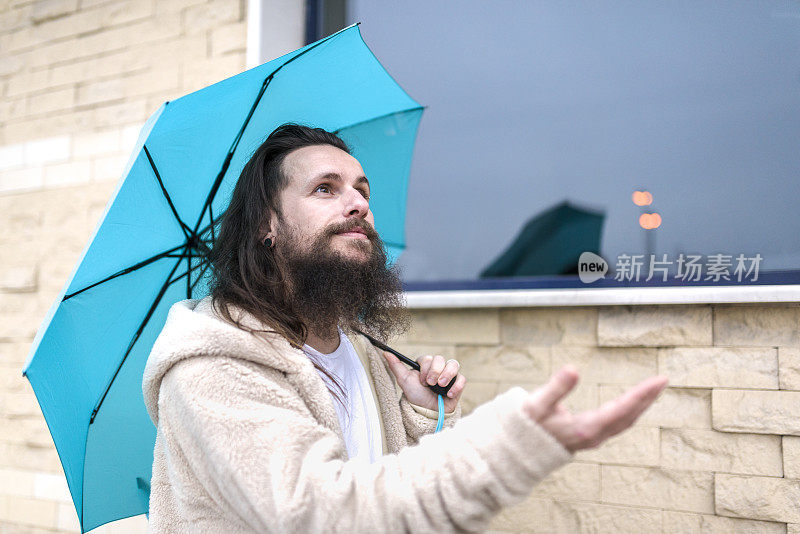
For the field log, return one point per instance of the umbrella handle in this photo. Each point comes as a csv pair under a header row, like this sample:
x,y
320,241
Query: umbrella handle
x,y
440,390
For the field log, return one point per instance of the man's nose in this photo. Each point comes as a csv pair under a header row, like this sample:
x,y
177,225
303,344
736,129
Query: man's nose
x,y
355,203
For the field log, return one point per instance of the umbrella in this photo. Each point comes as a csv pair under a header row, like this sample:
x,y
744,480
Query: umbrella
x,y
550,243
86,361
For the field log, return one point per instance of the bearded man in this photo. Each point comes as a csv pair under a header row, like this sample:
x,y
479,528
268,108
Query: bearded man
x,y
274,414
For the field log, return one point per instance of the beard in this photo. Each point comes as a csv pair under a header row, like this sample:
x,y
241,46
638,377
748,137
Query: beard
x,y
327,288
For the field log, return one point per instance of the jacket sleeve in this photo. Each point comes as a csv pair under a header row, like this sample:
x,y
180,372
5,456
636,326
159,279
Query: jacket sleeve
x,y
419,421
255,449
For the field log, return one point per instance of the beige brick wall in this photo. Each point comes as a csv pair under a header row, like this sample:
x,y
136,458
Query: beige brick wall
x,y
79,78
718,452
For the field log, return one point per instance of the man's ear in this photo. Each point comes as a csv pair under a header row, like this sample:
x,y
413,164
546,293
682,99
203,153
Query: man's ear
x,y
265,229
263,232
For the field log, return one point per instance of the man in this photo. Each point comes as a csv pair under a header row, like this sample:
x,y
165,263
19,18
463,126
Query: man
x,y
274,415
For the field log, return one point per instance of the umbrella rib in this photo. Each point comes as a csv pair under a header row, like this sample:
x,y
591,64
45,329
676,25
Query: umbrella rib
x,y
212,193
182,255
200,276
184,227
187,232
139,265
211,217
138,333
359,123
189,274
168,283
204,265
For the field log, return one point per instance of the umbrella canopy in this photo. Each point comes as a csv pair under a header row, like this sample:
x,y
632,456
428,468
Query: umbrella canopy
x,y
550,243
86,362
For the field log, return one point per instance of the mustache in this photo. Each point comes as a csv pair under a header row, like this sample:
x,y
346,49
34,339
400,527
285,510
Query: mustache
x,y
352,225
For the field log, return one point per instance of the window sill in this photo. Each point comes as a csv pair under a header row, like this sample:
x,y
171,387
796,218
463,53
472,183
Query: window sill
x,y
602,296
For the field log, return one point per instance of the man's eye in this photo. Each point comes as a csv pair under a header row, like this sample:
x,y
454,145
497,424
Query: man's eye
x,y
323,186
365,193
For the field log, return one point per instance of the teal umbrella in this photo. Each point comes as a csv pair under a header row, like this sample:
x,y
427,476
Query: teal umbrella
x,y
550,243
88,356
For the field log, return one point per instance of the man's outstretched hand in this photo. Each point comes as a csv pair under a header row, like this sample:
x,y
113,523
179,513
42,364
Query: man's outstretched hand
x,y
588,429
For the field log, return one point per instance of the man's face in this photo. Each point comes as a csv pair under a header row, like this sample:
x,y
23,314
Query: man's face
x,y
336,273
326,204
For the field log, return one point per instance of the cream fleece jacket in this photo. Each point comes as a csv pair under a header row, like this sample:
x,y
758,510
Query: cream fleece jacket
x,y
248,441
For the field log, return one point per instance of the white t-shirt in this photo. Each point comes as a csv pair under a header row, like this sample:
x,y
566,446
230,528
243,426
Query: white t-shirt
x,y
360,424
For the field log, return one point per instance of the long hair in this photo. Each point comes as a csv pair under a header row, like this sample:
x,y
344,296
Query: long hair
x,y
244,273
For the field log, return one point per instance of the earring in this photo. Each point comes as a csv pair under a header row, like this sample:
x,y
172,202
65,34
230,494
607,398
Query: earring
x,y
268,243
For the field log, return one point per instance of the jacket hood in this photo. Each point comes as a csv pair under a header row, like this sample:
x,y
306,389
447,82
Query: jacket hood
x,y
195,328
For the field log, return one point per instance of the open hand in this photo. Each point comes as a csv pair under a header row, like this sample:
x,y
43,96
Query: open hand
x,y
588,429
432,369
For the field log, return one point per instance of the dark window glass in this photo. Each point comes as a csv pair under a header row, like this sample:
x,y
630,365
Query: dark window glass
x,y
545,118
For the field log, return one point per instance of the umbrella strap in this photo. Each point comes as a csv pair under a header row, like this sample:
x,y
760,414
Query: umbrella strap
x,y
440,422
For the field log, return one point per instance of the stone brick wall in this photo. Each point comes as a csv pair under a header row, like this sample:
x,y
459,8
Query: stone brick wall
x,y
79,77
719,451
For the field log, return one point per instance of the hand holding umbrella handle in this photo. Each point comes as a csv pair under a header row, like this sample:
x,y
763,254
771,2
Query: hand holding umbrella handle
x,y
441,390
